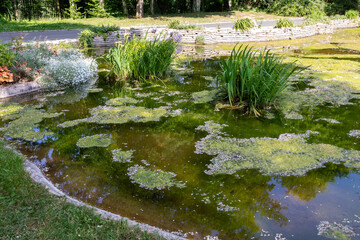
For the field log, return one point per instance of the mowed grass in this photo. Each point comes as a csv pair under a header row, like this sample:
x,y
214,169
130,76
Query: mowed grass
x,y
158,20
28,211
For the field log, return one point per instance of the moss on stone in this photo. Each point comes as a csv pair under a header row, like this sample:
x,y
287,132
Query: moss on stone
x,y
287,155
153,179
122,156
25,123
121,101
204,96
98,140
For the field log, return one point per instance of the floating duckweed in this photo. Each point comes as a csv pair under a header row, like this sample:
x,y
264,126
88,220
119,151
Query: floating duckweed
x,y
335,93
121,101
25,121
211,127
150,179
98,140
119,115
335,231
354,133
9,108
287,155
329,120
122,156
204,96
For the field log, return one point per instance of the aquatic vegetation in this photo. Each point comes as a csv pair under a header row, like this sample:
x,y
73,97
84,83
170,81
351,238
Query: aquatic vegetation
x,y
287,155
119,115
141,59
121,101
211,127
9,109
98,140
255,78
354,133
156,179
330,120
122,156
24,124
205,96
335,231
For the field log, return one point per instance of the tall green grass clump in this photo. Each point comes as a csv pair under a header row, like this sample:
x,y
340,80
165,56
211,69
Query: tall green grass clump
x,y
352,14
255,79
284,23
141,59
243,24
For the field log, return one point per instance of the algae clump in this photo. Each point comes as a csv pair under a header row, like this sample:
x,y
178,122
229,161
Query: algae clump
x,y
25,122
119,115
98,140
7,109
354,133
156,179
204,96
121,101
287,155
122,156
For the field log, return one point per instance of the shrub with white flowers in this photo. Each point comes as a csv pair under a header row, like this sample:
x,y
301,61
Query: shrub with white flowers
x,y
69,68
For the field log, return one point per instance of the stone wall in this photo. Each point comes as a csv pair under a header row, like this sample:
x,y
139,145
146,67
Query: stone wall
x,y
228,35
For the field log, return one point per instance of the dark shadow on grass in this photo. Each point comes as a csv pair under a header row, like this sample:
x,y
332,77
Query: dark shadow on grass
x,y
28,26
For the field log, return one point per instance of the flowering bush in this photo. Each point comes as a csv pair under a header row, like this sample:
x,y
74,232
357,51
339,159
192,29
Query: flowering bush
x,y
69,68
5,75
142,59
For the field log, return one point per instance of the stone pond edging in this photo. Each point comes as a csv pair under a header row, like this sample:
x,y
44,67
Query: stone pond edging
x,y
229,35
19,88
37,175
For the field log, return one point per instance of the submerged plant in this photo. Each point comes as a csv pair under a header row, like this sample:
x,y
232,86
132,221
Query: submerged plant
x,y
98,140
141,59
255,79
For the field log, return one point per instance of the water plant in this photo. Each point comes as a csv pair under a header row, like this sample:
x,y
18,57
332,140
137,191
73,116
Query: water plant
x,y
255,79
122,156
284,23
352,14
243,24
98,140
141,59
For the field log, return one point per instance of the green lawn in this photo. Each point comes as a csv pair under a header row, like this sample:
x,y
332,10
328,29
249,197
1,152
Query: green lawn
x,y
28,211
54,24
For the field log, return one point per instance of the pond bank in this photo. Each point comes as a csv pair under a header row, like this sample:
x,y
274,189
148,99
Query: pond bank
x,y
228,35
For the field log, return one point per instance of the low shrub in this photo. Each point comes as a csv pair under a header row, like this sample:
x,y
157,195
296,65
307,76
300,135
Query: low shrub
x,y
284,23
6,76
296,8
316,17
175,24
69,68
141,59
200,40
255,79
95,9
86,38
352,14
243,24
7,56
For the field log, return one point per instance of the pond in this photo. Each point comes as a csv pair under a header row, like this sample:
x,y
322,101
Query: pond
x,y
173,156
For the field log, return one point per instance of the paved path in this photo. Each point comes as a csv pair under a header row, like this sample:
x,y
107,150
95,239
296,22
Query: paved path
x,y
49,35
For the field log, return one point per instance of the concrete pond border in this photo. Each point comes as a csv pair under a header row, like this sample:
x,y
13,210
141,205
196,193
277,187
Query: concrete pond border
x,y
37,176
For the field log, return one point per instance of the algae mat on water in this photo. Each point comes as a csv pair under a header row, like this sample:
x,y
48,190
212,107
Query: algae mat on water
x,y
98,140
25,120
287,155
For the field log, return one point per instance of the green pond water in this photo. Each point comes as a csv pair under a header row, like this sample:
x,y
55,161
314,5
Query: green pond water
x,y
172,156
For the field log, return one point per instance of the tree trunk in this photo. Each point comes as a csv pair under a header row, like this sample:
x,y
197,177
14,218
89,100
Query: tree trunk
x,y
58,8
196,5
125,9
230,4
140,9
101,3
16,13
152,7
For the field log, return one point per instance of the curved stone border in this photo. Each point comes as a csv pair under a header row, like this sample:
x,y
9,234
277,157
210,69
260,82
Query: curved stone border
x,y
228,35
37,175
19,88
